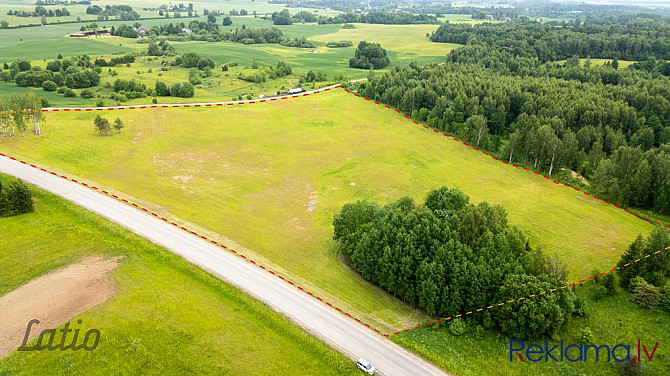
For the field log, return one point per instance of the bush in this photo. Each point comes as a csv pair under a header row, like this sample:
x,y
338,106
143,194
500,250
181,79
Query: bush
x,y
608,281
599,292
581,306
585,337
632,285
665,299
15,199
646,295
49,86
632,368
69,93
86,93
458,327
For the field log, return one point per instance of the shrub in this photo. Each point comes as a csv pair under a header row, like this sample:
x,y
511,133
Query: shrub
x,y
596,274
665,298
609,283
457,327
86,93
599,292
632,368
646,295
49,86
581,306
69,93
634,282
585,337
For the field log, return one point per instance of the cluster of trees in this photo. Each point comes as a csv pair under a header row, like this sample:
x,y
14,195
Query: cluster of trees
x,y
40,11
125,31
301,42
381,18
448,256
117,60
161,48
633,40
285,18
15,199
654,66
119,12
183,90
369,55
130,88
103,126
67,73
209,32
282,69
655,269
282,18
342,43
194,60
610,125
14,119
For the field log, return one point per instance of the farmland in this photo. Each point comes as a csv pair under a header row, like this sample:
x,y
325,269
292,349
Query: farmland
x,y
270,176
169,315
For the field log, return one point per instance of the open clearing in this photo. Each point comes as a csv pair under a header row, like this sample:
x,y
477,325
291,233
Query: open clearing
x,y
272,175
54,299
169,316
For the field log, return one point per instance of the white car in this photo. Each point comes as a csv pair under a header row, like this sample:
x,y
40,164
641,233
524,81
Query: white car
x,y
366,366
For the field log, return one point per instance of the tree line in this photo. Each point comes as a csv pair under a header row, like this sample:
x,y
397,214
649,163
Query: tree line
x,y
632,40
15,199
208,32
448,256
607,124
40,11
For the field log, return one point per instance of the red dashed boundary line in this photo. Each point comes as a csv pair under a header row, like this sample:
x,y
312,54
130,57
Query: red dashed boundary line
x,y
187,105
196,234
538,174
280,276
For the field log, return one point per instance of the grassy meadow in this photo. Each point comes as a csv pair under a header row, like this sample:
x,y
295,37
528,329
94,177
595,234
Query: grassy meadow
x,y
272,175
169,317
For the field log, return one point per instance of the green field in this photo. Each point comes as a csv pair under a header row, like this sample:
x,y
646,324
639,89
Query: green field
x,y
169,317
249,172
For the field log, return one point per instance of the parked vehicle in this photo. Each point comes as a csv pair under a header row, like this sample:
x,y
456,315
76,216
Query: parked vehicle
x,y
366,366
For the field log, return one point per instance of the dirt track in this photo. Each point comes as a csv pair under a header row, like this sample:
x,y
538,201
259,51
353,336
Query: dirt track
x,y
54,298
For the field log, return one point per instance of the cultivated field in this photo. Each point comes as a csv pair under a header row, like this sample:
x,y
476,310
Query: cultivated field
x,y
169,315
272,175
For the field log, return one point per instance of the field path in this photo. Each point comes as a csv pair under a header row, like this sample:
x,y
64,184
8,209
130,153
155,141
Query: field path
x,y
344,334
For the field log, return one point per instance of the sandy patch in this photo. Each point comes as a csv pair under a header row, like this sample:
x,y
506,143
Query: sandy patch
x,y
54,299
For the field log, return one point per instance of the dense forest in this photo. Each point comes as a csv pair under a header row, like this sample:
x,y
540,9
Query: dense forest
x,y
609,124
448,256
609,37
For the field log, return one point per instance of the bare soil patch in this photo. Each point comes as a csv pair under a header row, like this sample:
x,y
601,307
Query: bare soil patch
x,y
55,298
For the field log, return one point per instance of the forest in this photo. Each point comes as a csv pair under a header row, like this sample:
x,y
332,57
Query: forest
x,y
609,124
448,256
607,37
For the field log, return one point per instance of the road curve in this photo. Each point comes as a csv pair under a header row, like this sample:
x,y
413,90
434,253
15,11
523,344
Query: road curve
x,y
344,334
